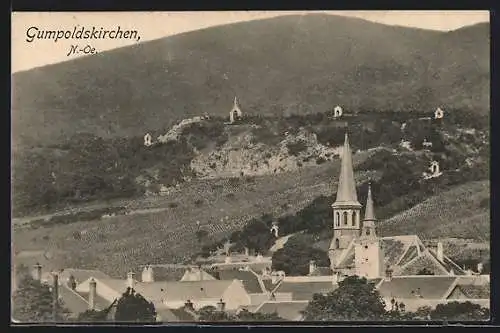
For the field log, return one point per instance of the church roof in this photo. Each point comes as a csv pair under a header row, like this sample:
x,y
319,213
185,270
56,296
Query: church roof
x,y
369,210
346,192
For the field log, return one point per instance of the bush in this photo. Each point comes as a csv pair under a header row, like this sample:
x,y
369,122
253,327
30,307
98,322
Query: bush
x,y
295,148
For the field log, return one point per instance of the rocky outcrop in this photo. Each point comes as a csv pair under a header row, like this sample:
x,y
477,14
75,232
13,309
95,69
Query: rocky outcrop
x,y
241,155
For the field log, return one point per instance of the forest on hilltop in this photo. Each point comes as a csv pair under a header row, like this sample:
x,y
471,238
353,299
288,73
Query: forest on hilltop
x,y
280,66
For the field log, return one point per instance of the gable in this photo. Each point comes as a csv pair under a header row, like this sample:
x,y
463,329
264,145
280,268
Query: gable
x,y
75,303
424,261
475,291
457,294
393,250
250,280
410,254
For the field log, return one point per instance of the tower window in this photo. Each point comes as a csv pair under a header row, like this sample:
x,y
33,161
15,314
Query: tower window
x,y
366,247
367,232
345,218
353,219
337,220
337,243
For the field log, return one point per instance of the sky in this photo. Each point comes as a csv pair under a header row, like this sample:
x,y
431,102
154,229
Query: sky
x,y
154,25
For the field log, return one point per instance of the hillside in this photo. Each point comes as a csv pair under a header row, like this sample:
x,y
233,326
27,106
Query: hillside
x,y
292,64
166,230
464,209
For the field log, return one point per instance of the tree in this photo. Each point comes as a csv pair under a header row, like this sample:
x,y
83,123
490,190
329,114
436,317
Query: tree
x,y
460,311
210,313
246,315
133,307
95,316
354,299
295,256
33,303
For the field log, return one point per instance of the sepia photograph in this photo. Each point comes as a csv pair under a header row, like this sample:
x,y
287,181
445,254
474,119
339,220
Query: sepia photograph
x,y
250,166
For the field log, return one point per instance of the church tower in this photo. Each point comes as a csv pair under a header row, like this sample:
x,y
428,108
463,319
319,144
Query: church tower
x,y
368,252
346,208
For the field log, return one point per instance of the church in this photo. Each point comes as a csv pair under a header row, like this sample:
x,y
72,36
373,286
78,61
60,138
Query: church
x,y
356,249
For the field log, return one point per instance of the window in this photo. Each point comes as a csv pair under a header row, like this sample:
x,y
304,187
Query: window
x,y
337,243
337,220
353,219
345,218
367,232
366,247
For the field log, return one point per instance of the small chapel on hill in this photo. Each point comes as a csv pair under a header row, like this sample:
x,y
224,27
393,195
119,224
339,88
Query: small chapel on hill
x,y
357,249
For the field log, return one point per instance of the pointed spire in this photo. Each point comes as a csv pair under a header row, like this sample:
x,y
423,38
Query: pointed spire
x,y
346,193
235,103
369,211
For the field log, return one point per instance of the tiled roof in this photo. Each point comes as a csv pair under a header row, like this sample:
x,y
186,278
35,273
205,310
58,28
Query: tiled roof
x,y
249,279
394,248
286,310
429,287
424,261
168,273
80,275
255,266
411,254
322,271
348,261
100,303
174,290
305,290
448,264
475,292
196,275
75,303
268,283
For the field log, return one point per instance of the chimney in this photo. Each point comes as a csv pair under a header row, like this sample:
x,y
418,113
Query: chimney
x,y
147,274
92,293
247,251
189,305
439,252
480,267
130,280
37,272
388,274
72,282
221,306
55,296
312,267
